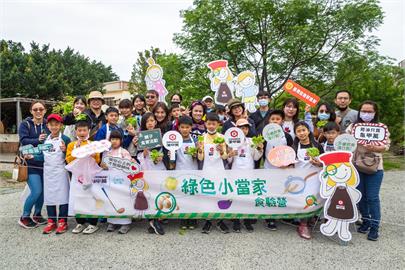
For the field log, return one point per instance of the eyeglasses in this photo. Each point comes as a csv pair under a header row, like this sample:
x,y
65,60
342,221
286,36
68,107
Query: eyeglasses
x,y
150,97
38,110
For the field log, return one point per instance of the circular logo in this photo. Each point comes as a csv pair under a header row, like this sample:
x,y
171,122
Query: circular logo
x,y
165,203
340,202
289,86
172,137
234,133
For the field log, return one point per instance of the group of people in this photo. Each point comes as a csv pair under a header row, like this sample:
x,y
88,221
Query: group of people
x,y
200,125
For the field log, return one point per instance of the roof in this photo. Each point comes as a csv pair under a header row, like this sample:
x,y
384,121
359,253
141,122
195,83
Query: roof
x,y
26,100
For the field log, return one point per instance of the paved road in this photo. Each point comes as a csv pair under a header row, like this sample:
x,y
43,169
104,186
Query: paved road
x,y
283,249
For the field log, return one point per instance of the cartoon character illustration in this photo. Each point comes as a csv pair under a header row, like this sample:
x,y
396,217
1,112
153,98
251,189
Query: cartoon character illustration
x,y
137,188
246,89
339,179
154,79
221,81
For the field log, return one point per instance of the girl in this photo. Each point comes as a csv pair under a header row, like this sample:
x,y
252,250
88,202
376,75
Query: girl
x,y
324,115
197,112
291,110
175,115
162,116
117,151
176,99
370,184
236,112
304,140
79,106
139,103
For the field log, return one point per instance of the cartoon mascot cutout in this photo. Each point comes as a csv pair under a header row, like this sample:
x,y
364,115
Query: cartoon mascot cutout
x,y
221,81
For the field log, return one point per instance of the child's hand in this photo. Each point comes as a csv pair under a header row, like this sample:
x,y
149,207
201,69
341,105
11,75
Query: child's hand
x,y
135,140
145,152
232,153
42,137
315,162
76,112
28,156
104,166
63,146
159,159
260,147
78,143
131,131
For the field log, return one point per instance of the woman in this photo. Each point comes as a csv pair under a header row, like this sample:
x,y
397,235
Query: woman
x,y
324,114
197,113
236,112
370,182
176,99
161,113
139,103
79,105
33,131
291,111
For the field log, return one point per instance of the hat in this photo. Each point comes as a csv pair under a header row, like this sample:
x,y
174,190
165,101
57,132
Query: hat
x,y
234,102
217,64
207,97
335,157
94,95
54,116
242,122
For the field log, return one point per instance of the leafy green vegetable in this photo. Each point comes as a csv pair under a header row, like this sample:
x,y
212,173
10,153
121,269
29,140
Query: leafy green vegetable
x,y
155,154
81,117
256,140
321,123
131,121
313,152
192,151
200,138
219,140
219,129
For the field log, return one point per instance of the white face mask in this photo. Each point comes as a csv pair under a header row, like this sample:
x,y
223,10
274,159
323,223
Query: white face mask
x,y
211,132
367,117
263,102
221,117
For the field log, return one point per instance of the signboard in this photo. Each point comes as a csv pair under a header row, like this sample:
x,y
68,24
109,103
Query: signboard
x,y
172,141
272,132
370,133
234,137
29,149
149,139
301,93
281,156
345,142
91,148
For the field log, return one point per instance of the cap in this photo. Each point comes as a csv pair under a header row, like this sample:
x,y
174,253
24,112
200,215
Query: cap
x,y
207,97
242,122
217,64
234,102
335,157
55,116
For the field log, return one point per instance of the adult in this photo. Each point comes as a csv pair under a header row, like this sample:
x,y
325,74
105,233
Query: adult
x,y
291,111
370,181
344,114
95,113
176,99
197,113
161,113
236,112
33,131
208,101
152,97
324,114
139,104
262,113
79,106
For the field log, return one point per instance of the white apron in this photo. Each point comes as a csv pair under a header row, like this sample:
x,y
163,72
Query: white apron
x,y
303,158
244,159
56,178
328,147
148,164
183,160
269,146
212,159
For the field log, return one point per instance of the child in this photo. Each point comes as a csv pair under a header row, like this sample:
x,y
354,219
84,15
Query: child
x,y
175,113
82,134
244,158
56,178
117,151
211,156
112,116
304,140
331,130
129,128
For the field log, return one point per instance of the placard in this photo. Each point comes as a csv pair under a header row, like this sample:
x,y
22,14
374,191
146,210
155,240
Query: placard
x,y
172,141
281,156
272,132
91,148
122,164
370,133
345,142
234,137
301,93
149,139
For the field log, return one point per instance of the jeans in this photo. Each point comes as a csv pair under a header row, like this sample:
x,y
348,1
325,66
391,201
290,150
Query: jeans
x,y
63,212
36,197
369,204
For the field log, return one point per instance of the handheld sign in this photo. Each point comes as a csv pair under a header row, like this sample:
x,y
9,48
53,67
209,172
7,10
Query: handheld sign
x,y
345,142
149,139
370,133
273,132
281,156
122,164
172,141
234,137
91,148
29,149
301,93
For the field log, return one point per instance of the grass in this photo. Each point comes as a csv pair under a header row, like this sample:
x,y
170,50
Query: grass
x,y
6,174
393,162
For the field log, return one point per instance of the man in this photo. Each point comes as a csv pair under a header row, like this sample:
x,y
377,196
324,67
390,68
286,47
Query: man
x,y
95,113
344,115
261,114
152,97
209,103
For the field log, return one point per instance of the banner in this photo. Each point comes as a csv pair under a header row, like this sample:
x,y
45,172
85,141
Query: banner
x,y
301,93
193,194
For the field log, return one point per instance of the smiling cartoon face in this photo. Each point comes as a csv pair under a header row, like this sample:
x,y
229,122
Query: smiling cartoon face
x,y
221,74
341,174
248,81
155,73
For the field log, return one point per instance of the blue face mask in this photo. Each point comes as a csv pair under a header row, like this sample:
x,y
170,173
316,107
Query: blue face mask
x,y
263,102
323,116
221,117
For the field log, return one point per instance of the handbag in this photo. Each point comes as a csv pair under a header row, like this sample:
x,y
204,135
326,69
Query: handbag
x,y
20,170
365,161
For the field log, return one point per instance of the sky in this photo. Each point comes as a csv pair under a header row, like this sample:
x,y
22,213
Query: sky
x,y
114,31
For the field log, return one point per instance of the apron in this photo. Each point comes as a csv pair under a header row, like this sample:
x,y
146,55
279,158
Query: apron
x,y
183,160
288,126
303,158
56,178
148,165
244,159
341,206
212,159
269,147
328,147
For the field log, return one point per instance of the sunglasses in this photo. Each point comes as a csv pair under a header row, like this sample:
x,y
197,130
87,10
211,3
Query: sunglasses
x,y
150,97
38,110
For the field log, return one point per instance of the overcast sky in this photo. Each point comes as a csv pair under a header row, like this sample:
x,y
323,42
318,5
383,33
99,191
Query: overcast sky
x,y
114,31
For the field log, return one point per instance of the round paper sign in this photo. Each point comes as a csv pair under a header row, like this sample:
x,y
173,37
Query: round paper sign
x,y
281,156
172,141
234,137
345,142
272,132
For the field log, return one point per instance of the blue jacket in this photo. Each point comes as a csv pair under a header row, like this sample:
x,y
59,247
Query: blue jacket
x,y
102,134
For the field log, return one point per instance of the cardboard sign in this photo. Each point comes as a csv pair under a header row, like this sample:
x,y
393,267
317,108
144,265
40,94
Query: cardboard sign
x,y
154,79
234,137
247,90
29,149
370,133
281,156
149,139
122,164
273,132
221,79
91,148
345,142
301,93
172,141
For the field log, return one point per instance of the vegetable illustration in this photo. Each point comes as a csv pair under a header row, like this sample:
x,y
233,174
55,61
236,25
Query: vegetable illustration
x,y
224,204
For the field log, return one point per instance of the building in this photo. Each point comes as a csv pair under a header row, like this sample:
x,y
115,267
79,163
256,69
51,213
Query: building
x,y
115,91
402,64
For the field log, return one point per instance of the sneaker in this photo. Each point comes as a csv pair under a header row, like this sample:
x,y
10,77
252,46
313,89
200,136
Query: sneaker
x,y
183,224
110,227
124,229
271,225
27,223
90,229
78,229
303,231
157,227
62,226
222,227
248,226
372,235
365,226
39,220
50,227
192,224
236,226
207,227
151,230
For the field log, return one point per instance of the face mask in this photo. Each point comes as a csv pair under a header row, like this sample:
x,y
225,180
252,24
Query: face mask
x,y
263,102
221,117
211,132
367,117
209,110
323,116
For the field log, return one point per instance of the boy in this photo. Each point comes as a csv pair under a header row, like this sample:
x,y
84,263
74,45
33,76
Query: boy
x,y
82,132
129,128
56,177
212,156
331,130
175,113
244,158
